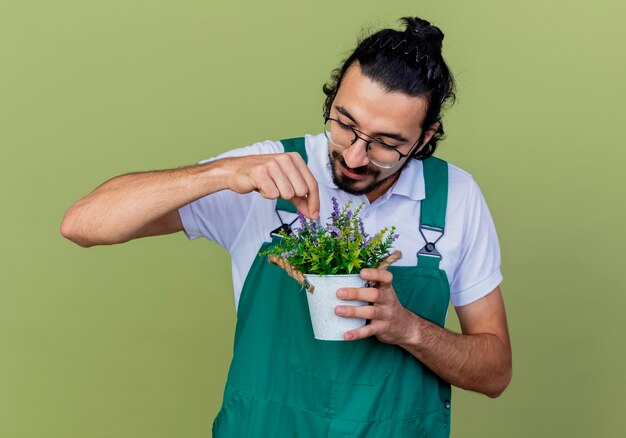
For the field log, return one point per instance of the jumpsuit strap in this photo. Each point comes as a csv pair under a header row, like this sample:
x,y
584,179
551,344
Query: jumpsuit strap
x,y
433,210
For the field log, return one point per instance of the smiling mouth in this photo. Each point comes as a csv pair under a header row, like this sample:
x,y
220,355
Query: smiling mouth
x,y
358,173
351,174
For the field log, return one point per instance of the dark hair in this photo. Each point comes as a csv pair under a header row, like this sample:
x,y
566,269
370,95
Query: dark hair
x,y
408,61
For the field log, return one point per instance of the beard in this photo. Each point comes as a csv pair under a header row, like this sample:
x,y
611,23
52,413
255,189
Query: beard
x,y
335,159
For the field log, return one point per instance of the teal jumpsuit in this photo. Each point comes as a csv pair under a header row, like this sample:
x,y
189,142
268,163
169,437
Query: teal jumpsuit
x,y
283,382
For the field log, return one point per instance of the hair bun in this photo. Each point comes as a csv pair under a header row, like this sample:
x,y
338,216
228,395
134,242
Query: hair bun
x,y
419,28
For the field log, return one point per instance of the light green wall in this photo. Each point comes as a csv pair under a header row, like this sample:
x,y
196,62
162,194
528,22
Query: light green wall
x,y
134,340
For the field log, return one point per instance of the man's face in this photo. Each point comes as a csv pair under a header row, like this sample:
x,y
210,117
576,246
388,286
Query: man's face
x,y
366,106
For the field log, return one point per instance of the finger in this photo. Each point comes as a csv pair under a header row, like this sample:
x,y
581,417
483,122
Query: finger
x,y
302,205
364,312
314,198
313,194
360,333
370,294
286,165
381,276
268,189
294,175
280,179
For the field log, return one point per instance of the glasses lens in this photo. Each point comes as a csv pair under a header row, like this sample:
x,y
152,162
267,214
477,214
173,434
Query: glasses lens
x,y
342,136
338,134
327,129
382,155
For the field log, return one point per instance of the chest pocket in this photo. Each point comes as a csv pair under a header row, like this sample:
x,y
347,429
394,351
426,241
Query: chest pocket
x,y
424,291
363,362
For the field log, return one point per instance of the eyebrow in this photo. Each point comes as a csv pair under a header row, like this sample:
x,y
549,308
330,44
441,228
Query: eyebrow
x,y
345,112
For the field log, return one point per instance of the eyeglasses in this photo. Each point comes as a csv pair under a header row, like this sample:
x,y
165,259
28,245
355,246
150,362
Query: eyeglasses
x,y
379,153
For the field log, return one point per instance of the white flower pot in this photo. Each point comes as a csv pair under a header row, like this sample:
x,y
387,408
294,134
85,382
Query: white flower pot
x,y
327,325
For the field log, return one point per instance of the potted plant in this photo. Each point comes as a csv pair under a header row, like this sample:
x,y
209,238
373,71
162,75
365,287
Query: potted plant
x,y
326,258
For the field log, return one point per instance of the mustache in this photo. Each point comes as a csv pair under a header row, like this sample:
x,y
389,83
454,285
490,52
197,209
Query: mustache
x,y
363,170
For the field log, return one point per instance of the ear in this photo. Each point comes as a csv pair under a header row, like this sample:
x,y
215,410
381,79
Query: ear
x,y
428,135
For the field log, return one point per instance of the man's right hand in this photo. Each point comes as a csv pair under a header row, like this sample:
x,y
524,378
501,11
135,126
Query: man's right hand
x,y
275,176
145,204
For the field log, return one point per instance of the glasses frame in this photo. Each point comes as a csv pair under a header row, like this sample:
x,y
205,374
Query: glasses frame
x,y
356,133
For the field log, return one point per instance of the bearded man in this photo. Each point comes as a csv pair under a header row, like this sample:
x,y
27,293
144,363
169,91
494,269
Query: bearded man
x,y
390,378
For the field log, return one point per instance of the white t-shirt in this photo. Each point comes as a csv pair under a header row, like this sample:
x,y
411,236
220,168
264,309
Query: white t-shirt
x,y
470,249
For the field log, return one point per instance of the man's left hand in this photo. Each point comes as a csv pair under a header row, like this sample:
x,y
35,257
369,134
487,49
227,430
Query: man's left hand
x,y
390,321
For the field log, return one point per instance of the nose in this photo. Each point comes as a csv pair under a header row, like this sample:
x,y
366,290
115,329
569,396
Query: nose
x,y
356,155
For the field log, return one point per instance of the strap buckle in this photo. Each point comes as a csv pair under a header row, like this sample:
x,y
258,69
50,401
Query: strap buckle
x,y
276,232
430,250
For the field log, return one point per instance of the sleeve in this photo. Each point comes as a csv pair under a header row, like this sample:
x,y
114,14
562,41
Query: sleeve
x,y
479,271
219,216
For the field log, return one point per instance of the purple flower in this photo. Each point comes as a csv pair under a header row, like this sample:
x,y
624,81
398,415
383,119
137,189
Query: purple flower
x,y
395,236
335,214
334,229
313,225
302,220
361,228
349,214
